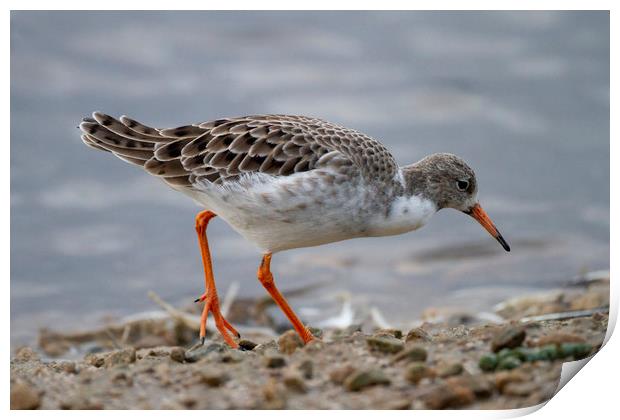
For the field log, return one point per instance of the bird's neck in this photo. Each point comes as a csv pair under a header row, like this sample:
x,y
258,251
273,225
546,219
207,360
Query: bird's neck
x,y
409,209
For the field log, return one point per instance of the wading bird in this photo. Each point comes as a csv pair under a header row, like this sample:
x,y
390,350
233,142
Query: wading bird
x,y
287,182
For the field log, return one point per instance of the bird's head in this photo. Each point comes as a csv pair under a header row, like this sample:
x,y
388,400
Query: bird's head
x,y
449,182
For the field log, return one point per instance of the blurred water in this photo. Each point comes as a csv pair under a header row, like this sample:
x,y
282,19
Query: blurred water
x,y
523,97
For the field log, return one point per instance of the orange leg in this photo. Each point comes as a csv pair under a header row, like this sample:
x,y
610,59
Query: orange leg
x,y
212,303
266,279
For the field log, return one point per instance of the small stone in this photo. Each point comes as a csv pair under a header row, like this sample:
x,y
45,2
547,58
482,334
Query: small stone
x,y
557,338
396,404
289,342
24,397
306,368
365,378
575,350
177,354
392,332
247,345
448,395
96,360
488,362
418,334
417,371
385,344
68,366
120,357
508,363
447,370
26,354
316,332
213,377
479,385
504,378
274,360
520,389
274,395
510,337
265,347
121,377
294,382
339,375
232,356
202,352
549,352
412,354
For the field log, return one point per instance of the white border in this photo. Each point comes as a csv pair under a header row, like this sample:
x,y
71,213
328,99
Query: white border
x,y
593,395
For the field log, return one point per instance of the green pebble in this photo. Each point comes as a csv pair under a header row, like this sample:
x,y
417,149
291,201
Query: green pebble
x,y
508,363
549,352
575,350
488,362
503,353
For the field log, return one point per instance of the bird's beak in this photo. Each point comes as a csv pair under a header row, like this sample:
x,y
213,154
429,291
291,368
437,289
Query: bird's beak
x,y
483,218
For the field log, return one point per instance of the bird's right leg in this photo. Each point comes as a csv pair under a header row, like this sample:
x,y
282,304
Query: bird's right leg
x,y
210,298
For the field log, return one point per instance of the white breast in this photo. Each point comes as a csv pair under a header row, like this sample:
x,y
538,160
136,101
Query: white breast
x,y
406,214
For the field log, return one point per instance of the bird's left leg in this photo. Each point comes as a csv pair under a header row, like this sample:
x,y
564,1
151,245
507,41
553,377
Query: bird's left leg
x,y
210,298
266,279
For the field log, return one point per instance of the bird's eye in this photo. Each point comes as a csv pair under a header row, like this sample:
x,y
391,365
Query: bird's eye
x,y
462,185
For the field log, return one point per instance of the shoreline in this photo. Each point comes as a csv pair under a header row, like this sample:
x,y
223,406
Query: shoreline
x,y
442,363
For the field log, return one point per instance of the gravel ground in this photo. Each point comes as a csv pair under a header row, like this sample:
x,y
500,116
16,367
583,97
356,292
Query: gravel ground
x,y
433,366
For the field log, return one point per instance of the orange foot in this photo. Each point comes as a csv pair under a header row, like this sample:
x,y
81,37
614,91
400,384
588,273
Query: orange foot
x,y
212,305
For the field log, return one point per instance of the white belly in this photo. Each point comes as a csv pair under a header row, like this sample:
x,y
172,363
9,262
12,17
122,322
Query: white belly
x,y
279,213
289,212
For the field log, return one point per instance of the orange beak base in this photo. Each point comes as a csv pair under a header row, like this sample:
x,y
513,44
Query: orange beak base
x,y
483,218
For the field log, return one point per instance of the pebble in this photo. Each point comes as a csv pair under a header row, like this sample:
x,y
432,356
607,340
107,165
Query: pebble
x,y
96,360
247,345
479,385
67,366
520,389
412,354
316,332
294,382
201,352
121,377
339,375
265,347
177,354
213,377
488,362
385,344
508,363
24,397
417,371
289,342
306,368
575,350
120,357
504,378
510,337
557,338
26,354
363,379
418,334
232,356
448,395
274,395
274,360
451,369
393,332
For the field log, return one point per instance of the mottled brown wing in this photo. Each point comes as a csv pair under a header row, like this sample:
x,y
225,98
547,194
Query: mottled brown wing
x,y
220,150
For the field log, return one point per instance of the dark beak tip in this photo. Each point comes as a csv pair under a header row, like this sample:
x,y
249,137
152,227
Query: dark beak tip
x,y
503,242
